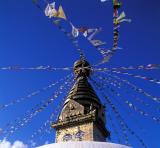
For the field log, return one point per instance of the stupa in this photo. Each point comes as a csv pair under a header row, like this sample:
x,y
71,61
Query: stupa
x,y
81,123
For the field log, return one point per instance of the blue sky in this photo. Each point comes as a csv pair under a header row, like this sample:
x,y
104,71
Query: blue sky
x,y
28,38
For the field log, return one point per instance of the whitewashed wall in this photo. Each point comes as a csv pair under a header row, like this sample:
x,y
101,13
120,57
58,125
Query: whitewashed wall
x,y
84,144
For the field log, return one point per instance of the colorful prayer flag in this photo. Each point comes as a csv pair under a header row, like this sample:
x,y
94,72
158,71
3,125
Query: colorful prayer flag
x,y
61,13
75,32
97,43
50,10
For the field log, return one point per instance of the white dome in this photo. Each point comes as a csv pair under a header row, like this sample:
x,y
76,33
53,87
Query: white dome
x,y
84,144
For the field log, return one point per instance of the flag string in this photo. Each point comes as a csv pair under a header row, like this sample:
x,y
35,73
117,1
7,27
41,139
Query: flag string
x,y
55,114
122,122
25,120
140,67
119,85
41,68
51,12
136,109
113,127
134,87
30,95
153,80
115,94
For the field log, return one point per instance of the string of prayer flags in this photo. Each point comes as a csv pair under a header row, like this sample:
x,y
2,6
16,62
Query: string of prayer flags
x,y
48,67
108,80
126,73
138,76
44,105
113,127
123,125
116,6
146,104
135,98
60,14
139,90
89,34
54,113
120,121
119,85
86,32
69,36
12,126
131,105
140,67
51,11
44,127
35,112
107,57
107,85
117,19
15,101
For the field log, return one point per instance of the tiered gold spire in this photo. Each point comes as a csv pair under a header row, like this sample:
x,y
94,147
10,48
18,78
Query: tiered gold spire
x,y
82,116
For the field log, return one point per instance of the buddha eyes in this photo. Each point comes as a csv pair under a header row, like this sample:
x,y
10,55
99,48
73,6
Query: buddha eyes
x,y
78,135
67,137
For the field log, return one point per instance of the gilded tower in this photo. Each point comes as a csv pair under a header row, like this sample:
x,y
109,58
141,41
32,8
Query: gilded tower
x,y
83,115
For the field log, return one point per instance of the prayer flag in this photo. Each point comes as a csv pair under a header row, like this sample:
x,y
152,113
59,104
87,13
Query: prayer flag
x,y
61,13
75,32
50,10
121,19
97,43
93,32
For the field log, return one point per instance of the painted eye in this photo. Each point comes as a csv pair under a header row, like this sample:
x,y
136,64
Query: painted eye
x,y
79,134
67,137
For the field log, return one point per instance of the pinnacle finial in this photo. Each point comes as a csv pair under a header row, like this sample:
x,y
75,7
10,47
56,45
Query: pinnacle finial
x,y
82,68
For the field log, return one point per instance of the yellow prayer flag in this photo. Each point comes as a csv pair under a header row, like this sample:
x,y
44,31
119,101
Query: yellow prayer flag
x,y
122,16
61,13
